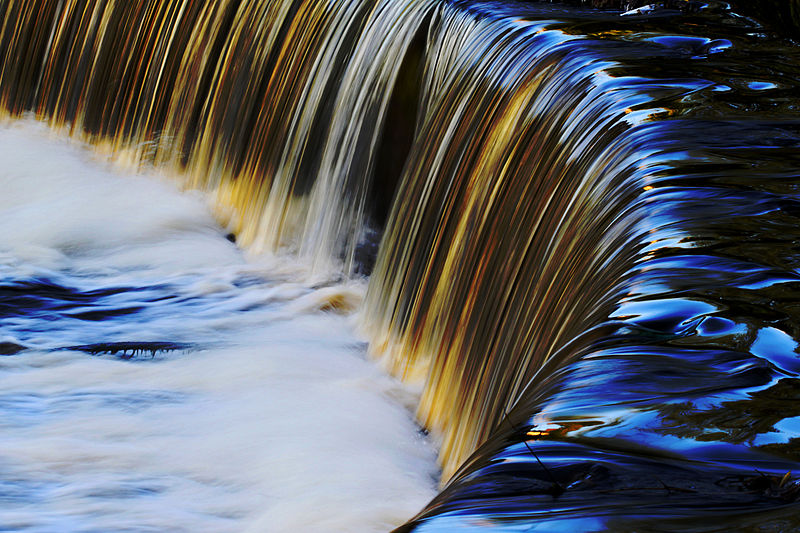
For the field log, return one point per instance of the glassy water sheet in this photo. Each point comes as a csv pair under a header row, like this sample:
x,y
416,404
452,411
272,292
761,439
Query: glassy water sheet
x,y
154,380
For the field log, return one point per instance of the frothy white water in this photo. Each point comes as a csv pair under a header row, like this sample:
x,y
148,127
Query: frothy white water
x,y
269,419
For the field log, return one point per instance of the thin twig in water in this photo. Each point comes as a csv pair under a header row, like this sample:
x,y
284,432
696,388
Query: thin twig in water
x,y
558,488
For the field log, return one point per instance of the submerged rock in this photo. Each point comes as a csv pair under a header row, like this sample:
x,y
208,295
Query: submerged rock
x,y
11,348
127,350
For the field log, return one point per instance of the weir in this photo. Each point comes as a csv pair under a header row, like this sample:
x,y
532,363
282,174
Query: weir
x,y
587,222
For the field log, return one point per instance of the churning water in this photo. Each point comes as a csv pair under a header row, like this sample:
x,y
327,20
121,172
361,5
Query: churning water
x,y
170,383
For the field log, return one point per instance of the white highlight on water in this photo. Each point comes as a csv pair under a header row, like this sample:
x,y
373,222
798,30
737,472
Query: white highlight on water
x,y
277,422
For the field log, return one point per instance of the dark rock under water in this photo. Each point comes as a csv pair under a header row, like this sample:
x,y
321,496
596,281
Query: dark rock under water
x,y
11,348
127,350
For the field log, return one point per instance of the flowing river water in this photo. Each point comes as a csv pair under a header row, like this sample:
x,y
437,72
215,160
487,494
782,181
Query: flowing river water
x,y
169,384
571,233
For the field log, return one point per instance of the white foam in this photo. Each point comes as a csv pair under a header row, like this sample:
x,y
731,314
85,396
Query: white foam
x,y
278,423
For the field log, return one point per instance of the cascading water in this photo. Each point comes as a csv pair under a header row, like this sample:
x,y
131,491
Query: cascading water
x,y
588,259
252,100
658,238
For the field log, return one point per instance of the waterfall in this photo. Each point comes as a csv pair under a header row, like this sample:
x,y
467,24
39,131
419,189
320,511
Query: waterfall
x,y
512,232
277,107
587,222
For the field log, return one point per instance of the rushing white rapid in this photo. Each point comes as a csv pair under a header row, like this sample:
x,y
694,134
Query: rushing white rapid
x,y
265,417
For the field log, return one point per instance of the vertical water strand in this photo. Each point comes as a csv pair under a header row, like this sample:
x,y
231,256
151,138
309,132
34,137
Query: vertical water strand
x,y
266,123
362,103
302,152
20,75
201,138
513,229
